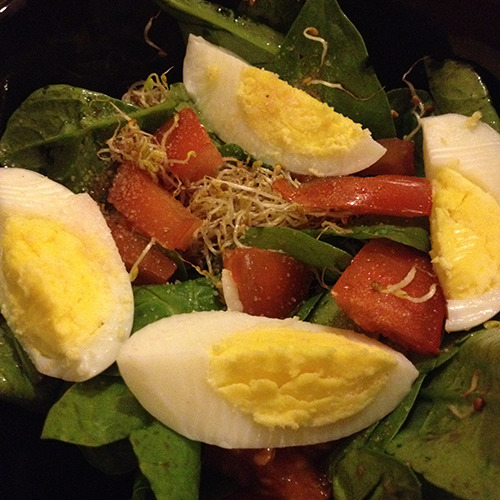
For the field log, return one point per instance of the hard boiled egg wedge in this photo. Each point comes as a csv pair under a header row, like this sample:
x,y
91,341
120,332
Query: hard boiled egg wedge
x,y
239,381
462,160
271,120
64,290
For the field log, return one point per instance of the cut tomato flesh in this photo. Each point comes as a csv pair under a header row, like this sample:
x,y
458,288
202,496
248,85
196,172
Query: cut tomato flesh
x,y
155,268
396,195
152,209
368,292
189,148
269,283
398,159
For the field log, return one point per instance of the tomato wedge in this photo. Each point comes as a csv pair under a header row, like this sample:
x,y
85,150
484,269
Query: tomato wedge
x,y
269,283
151,209
189,147
155,268
397,195
398,159
410,314
279,473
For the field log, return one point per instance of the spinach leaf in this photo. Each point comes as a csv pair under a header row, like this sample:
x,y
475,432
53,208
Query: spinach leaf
x,y
113,458
380,434
457,88
305,309
253,41
324,310
406,122
299,245
401,102
102,412
278,14
374,441
141,488
364,474
58,131
170,462
94,413
346,63
413,236
446,439
20,382
154,302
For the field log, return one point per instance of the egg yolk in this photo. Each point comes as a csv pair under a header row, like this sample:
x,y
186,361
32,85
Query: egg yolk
x,y
285,377
57,298
465,236
292,120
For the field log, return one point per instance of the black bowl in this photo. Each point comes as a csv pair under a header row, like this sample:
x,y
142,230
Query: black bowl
x,y
101,45
92,44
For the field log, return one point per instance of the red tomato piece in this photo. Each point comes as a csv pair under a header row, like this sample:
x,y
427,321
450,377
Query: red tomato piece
x,y
270,283
281,473
362,293
399,158
154,268
188,143
397,195
151,209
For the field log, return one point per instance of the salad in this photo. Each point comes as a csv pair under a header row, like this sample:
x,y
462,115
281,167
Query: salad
x,y
381,247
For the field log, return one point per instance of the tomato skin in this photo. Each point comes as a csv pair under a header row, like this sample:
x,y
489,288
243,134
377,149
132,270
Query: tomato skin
x,y
156,268
397,195
189,135
151,209
270,283
399,158
415,326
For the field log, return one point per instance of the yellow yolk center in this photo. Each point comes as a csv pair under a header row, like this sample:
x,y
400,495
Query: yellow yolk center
x,y
290,119
285,377
57,297
465,233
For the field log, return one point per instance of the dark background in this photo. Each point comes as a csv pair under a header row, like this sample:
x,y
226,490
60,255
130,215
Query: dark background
x,y
99,45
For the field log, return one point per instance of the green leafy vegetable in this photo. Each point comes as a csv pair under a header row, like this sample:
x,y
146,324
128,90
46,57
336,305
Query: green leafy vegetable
x,y
413,236
253,41
361,96
114,458
324,310
154,302
94,413
102,412
20,382
377,439
170,462
406,122
365,474
450,437
141,489
300,246
278,14
58,131
457,88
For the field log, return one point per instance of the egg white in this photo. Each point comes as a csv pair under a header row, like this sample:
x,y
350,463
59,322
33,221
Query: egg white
x,y
165,365
230,291
212,76
472,148
29,194
464,314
